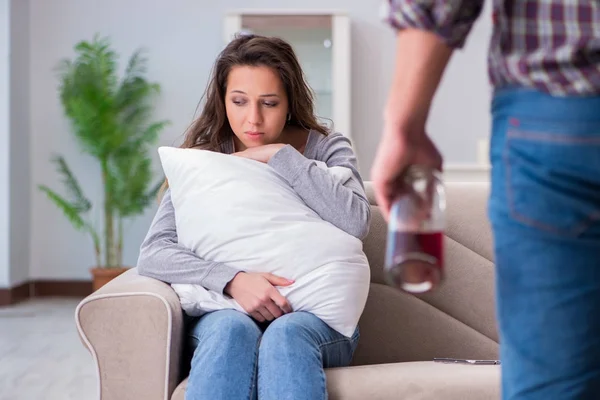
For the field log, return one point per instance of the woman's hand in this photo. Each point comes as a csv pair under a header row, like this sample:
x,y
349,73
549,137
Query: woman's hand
x,y
260,153
257,295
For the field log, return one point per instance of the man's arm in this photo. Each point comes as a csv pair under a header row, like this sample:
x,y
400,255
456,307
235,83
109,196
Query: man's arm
x,y
421,58
428,31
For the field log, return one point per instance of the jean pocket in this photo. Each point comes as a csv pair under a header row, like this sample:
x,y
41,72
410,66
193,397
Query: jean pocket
x,y
553,175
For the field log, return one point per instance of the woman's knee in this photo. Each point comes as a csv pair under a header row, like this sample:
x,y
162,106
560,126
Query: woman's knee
x,y
302,334
293,328
223,326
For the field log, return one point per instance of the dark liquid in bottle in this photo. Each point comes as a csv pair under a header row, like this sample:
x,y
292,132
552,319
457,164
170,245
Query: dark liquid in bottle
x,y
415,260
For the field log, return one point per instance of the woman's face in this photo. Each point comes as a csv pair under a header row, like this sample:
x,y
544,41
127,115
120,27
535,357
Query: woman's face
x,y
256,105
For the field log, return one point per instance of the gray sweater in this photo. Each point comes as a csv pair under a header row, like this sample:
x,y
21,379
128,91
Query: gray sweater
x,y
345,206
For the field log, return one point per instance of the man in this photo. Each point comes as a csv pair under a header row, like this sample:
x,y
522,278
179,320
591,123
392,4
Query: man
x,y
544,64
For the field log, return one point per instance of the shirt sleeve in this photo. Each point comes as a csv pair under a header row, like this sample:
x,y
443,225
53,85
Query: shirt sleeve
x,y
345,205
451,20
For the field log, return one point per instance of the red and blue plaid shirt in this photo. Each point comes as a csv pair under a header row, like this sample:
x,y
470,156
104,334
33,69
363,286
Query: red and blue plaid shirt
x,y
550,45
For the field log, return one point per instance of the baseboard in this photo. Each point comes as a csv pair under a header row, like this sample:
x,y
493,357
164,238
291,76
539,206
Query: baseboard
x,y
44,288
15,294
61,288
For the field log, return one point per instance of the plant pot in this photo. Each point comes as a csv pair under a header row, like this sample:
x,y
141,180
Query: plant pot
x,y
102,275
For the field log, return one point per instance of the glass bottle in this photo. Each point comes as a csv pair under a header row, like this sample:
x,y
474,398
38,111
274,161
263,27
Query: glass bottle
x,y
414,259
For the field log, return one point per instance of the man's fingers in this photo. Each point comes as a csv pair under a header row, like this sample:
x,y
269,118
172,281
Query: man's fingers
x,y
391,161
382,202
379,188
385,193
282,303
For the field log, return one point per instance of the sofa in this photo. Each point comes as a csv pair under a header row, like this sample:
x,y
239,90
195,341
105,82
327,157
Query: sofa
x,y
134,326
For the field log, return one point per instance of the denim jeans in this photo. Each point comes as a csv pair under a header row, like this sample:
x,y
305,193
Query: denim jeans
x,y
545,213
236,358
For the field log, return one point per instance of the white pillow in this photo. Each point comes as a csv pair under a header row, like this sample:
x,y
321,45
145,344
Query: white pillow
x,y
241,213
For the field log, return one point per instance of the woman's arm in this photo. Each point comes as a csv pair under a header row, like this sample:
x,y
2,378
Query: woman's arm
x,y
162,257
344,205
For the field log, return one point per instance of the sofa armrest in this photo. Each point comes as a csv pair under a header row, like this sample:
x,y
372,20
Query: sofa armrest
x,y
133,328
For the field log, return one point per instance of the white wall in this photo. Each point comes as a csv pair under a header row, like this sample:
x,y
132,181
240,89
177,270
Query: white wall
x,y
4,143
183,37
19,142
460,116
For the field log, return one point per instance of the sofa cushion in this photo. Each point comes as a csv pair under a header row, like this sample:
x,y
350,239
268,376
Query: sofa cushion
x,y
464,305
398,327
407,381
415,381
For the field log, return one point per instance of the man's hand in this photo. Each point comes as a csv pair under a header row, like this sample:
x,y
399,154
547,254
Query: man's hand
x,y
260,153
421,58
257,295
399,148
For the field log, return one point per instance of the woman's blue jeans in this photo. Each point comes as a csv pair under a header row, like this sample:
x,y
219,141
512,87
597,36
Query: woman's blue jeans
x,y
236,358
545,213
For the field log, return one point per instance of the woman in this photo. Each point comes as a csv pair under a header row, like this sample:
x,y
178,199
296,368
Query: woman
x,y
258,106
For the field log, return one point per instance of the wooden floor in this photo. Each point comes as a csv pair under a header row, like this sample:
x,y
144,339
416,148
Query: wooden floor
x,y
41,356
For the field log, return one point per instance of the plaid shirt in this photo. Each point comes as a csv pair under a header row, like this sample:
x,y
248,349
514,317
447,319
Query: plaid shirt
x,y
550,45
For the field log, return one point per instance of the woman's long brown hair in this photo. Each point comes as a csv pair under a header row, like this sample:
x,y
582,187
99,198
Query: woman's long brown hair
x,y
211,129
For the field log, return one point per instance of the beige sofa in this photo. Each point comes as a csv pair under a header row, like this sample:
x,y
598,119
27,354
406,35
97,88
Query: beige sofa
x,y
133,325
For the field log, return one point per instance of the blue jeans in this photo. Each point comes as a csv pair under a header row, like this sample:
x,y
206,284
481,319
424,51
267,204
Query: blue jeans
x,y
236,358
545,213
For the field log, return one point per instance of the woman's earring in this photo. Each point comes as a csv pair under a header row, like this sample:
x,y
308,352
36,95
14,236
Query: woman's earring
x,y
289,117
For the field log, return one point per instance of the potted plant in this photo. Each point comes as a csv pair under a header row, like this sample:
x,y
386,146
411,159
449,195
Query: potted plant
x,y
111,121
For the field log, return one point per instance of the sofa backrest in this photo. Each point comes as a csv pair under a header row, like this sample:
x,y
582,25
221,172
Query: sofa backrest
x,y
458,319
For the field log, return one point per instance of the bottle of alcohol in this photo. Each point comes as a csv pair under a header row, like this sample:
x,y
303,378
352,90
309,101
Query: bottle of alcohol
x,y
414,259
